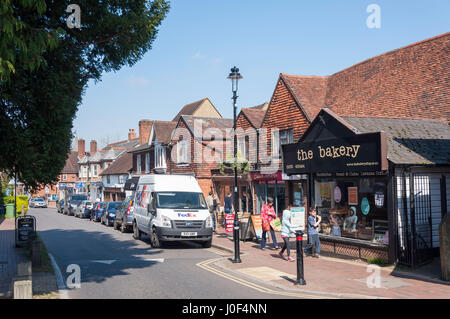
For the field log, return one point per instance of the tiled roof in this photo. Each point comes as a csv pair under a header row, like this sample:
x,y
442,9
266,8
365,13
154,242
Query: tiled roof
x,y
189,109
411,83
207,123
71,166
163,131
255,114
127,144
122,165
409,141
308,91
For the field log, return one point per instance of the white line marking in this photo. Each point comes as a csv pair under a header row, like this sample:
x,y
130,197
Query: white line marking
x,y
62,289
157,260
106,262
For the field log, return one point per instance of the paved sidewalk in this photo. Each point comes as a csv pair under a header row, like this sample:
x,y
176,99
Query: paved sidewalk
x,y
326,275
10,256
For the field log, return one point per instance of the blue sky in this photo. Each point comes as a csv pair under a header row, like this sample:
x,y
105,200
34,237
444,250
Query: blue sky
x,y
200,40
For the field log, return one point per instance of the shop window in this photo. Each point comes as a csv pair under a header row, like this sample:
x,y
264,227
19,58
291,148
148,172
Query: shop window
x,y
352,207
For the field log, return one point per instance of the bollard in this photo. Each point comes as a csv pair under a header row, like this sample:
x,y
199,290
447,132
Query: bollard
x,y
300,274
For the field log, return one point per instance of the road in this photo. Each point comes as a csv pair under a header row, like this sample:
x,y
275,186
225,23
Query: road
x,y
114,265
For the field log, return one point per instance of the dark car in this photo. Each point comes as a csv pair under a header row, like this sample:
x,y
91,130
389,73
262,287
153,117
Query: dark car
x,y
109,214
73,203
60,206
97,211
124,216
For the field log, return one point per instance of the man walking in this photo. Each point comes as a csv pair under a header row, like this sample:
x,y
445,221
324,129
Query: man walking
x,y
313,233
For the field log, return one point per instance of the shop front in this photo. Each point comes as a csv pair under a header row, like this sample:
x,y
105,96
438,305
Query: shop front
x,y
268,185
380,185
347,183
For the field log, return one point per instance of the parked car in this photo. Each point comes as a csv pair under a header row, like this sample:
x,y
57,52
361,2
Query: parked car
x,y
171,208
73,203
60,206
124,216
39,202
109,214
32,200
84,209
97,211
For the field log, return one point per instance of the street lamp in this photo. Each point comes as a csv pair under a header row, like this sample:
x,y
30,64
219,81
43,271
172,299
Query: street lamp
x,y
235,76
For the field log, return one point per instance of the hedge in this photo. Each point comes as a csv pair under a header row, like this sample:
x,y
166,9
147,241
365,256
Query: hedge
x,y
21,200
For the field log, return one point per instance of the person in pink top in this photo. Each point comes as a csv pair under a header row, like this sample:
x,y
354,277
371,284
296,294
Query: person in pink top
x,y
268,214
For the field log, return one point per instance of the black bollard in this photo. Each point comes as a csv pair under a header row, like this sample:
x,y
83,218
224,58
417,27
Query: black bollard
x,y
300,275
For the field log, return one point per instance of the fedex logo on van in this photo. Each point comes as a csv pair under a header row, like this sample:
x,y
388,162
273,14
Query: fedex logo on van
x,y
187,215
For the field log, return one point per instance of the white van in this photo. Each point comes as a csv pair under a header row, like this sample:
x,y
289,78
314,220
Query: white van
x,y
171,208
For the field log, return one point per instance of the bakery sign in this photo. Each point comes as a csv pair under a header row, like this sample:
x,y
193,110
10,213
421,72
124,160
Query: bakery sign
x,y
361,152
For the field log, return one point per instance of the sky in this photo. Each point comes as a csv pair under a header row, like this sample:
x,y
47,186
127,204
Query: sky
x,y
200,40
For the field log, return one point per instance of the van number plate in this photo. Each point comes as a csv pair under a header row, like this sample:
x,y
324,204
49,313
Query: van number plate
x,y
188,234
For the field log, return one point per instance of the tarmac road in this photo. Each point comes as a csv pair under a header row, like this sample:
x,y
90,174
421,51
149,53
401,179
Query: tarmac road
x,y
114,265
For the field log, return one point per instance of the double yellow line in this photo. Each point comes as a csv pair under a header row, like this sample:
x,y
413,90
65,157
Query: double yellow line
x,y
206,265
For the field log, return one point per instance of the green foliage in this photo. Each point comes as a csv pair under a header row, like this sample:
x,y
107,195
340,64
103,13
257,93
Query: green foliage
x,y
21,200
45,68
242,165
376,260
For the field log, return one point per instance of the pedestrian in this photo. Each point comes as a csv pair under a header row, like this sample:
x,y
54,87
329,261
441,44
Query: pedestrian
x,y
210,203
313,233
286,232
228,203
216,204
267,215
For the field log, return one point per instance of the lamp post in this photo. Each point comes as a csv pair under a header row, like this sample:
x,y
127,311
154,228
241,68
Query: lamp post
x,y
235,76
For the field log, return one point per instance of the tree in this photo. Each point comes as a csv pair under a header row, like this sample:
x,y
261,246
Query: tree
x,y
45,67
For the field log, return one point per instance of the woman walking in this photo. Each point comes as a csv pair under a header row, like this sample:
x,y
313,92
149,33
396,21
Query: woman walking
x,y
286,232
267,215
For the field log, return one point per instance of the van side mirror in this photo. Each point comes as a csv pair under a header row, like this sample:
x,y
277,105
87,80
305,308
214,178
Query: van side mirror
x,y
151,209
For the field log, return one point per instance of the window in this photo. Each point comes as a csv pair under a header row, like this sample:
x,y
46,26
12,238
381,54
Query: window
x,y
351,207
64,177
147,162
85,171
95,170
242,146
108,179
275,143
121,179
160,154
138,163
286,137
183,152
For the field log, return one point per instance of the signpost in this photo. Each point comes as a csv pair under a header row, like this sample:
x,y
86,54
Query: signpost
x,y
26,229
298,218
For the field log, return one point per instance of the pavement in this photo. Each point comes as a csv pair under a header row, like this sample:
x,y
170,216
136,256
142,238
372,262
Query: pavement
x,y
327,276
10,256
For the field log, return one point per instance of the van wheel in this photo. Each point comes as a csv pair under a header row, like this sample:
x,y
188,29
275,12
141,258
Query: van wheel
x,y
207,244
136,232
154,240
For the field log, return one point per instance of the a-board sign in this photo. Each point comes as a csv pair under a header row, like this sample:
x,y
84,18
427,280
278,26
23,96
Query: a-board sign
x,y
257,225
298,218
26,226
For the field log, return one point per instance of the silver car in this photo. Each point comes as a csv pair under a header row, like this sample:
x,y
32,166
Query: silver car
x,y
39,202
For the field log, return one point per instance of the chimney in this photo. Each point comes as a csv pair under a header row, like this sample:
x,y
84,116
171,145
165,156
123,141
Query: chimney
x,y
145,127
93,146
81,151
131,134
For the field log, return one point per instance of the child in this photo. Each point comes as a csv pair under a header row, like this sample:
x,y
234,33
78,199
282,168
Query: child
x,y
286,231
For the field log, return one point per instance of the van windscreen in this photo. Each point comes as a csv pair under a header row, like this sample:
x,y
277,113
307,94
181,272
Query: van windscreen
x,y
180,200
